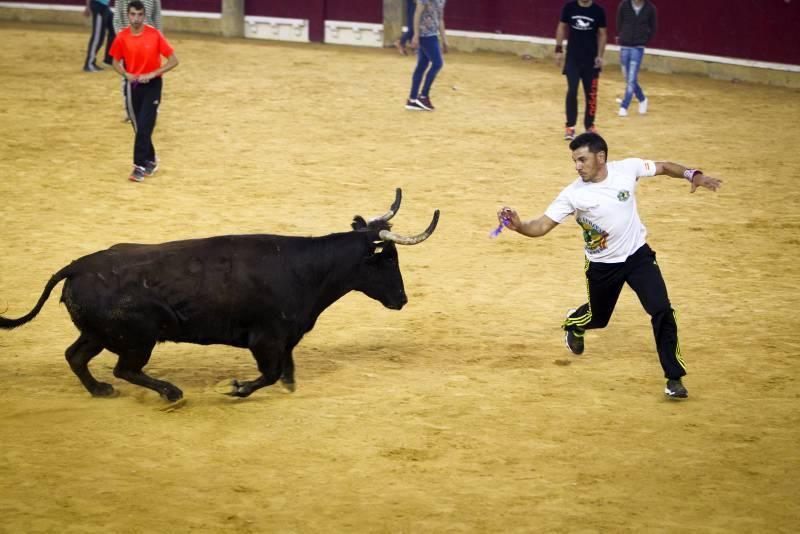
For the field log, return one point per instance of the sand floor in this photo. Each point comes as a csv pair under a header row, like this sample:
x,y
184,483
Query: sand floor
x,y
461,413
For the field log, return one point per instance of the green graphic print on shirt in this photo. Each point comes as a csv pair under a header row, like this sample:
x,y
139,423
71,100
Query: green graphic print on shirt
x,y
596,238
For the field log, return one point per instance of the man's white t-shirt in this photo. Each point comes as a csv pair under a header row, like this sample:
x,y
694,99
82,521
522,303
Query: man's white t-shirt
x,y
606,211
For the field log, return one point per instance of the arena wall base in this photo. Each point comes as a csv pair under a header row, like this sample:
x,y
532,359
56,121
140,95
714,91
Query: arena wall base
x,y
279,29
663,61
353,33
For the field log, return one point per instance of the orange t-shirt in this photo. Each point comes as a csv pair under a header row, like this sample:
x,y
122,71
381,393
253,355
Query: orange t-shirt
x,y
141,53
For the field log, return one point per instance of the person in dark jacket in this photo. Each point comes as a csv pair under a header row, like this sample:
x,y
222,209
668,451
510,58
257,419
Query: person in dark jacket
x,y
636,24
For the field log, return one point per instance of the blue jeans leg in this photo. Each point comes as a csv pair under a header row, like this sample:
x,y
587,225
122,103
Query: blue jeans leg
x,y
429,53
631,61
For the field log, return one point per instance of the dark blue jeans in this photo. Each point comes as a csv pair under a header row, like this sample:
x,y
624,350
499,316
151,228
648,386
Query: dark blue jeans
x,y
429,54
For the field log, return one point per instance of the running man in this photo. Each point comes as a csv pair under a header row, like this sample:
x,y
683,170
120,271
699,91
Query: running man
x,y
141,47
603,201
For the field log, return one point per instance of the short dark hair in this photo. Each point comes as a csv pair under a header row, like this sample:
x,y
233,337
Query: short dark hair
x,y
138,5
592,140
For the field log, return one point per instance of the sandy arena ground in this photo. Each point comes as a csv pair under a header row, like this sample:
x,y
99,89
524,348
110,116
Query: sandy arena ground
x,y
461,413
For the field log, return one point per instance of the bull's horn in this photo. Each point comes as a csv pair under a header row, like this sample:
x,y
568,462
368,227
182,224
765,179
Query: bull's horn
x,y
393,210
386,235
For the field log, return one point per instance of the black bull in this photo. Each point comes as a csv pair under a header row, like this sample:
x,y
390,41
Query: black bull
x,y
261,292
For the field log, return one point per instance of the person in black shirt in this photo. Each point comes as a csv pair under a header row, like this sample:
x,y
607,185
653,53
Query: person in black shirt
x,y
585,21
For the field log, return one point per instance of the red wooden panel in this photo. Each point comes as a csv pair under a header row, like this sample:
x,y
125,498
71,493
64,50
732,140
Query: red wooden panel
x,y
760,30
206,6
55,2
355,10
210,6
513,17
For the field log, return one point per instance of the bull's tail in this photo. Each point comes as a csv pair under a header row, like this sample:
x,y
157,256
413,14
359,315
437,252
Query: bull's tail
x,y
54,280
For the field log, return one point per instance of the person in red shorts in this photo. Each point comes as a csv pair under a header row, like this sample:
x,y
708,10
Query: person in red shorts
x,y
140,47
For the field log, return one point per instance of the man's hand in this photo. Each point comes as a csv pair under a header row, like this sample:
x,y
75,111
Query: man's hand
x,y
415,41
444,46
598,62
509,217
709,182
559,59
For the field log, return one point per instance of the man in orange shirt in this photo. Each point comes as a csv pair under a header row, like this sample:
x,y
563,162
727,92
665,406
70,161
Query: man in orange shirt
x,y
140,47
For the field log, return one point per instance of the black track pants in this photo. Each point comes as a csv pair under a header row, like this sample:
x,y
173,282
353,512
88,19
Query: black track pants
x,y
590,78
102,28
640,271
143,100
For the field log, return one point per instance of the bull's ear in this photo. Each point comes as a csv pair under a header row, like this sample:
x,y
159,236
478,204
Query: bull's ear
x,y
358,223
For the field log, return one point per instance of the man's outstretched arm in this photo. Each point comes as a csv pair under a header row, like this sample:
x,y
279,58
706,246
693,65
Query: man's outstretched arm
x,y
531,228
694,176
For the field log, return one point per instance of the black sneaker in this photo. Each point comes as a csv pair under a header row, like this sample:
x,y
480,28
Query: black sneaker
x,y
150,168
675,390
573,336
413,105
573,339
426,103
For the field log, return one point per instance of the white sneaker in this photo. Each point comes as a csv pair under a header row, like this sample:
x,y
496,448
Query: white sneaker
x,y
619,100
623,112
643,107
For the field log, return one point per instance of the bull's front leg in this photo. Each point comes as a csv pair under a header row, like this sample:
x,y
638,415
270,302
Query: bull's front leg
x,y
287,377
269,355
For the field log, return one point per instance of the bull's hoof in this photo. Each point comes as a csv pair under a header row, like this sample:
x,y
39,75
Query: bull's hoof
x,y
239,389
290,386
172,394
103,389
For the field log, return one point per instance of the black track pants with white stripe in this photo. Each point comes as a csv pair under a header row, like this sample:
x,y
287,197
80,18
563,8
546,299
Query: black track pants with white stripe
x,y
143,100
640,271
102,22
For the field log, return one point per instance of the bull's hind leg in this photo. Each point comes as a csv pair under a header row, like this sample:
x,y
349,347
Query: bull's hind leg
x,y
78,356
129,367
269,356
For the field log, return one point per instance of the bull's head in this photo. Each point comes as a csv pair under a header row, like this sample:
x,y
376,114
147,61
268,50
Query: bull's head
x,y
379,277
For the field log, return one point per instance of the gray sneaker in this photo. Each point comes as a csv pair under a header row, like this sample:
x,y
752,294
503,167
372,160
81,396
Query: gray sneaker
x,y
675,390
150,168
137,175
